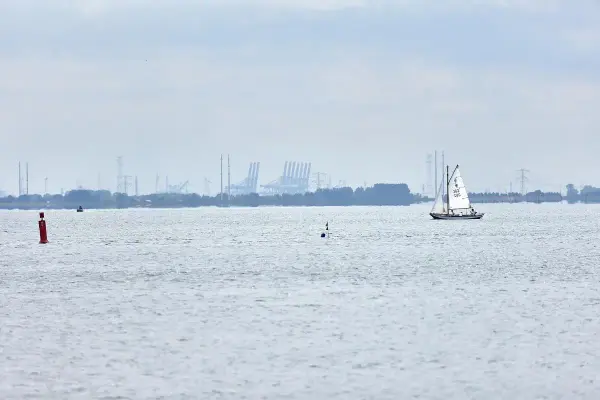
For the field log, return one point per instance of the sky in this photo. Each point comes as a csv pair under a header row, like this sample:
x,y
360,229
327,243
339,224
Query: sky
x,y
362,89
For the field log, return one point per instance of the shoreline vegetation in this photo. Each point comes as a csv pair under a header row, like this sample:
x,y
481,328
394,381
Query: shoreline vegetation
x,y
378,195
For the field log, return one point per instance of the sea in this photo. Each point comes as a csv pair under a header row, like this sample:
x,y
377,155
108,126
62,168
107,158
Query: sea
x,y
251,303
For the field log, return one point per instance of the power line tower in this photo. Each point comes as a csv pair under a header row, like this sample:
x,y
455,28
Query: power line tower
x,y
120,188
228,180
523,179
24,180
126,183
20,180
221,192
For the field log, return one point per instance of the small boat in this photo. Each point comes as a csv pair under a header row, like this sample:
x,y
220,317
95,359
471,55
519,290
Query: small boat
x,y
80,209
326,233
457,205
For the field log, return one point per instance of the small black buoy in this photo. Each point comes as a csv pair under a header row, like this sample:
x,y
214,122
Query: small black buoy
x,y
322,234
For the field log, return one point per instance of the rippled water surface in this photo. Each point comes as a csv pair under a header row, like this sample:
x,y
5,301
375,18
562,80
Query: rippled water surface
x,y
252,304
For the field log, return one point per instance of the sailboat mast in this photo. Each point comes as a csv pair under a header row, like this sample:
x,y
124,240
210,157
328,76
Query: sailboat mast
x,y
443,163
448,188
443,187
436,174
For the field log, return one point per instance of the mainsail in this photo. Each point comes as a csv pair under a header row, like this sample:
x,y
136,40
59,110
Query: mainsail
x,y
438,205
459,198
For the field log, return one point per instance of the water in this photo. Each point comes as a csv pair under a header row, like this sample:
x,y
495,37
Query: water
x,y
253,304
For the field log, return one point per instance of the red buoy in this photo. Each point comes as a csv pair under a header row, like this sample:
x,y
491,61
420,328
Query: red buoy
x,y
43,233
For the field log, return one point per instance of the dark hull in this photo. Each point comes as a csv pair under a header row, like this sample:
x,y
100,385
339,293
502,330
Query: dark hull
x,y
455,217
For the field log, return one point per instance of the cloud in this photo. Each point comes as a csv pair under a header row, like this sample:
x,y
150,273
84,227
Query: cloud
x,y
298,109
528,5
363,91
477,32
583,40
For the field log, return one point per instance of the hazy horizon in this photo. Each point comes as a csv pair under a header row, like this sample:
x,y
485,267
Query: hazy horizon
x,y
361,89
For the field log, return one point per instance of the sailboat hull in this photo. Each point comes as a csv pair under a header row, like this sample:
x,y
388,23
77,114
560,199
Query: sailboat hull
x,y
454,217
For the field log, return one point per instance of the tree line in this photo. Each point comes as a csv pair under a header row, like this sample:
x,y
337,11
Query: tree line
x,y
537,196
378,195
587,194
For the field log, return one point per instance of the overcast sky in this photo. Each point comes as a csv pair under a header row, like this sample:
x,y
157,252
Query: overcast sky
x,y
362,89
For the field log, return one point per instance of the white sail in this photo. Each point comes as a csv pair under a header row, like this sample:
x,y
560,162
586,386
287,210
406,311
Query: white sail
x,y
438,205
459,198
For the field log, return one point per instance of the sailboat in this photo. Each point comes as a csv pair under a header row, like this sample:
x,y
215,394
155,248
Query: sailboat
x,y
457,205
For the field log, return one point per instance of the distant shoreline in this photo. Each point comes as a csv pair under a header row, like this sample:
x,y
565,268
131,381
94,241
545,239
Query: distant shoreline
x,y
377,195
31,207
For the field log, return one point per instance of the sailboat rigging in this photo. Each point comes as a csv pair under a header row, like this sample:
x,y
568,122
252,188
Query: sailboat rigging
x,y
457,205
